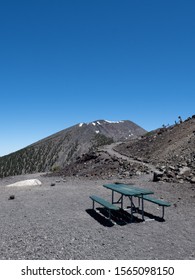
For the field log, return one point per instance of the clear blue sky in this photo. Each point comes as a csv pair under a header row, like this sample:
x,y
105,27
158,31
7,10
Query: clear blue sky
x,y
68,61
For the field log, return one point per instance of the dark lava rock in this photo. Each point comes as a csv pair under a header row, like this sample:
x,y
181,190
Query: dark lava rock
x,y
157,176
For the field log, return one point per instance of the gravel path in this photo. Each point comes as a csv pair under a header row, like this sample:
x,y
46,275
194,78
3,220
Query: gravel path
x,y
56,222
110,149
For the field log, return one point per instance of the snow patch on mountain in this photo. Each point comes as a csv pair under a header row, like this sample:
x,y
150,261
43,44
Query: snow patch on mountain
x,y
114,121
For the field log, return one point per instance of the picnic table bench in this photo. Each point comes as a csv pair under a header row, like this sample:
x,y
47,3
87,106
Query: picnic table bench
x,y
104,203
159,202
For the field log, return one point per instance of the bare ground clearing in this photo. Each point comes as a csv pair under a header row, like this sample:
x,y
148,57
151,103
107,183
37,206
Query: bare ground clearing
x,y
56,222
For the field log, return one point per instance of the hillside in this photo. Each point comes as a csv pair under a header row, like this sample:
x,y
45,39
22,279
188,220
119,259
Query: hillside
x,y
171,150
63,148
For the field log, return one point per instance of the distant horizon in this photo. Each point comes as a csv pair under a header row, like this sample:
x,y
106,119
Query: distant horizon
x,y
66,62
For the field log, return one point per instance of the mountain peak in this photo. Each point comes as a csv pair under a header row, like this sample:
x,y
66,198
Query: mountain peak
x,y
66,146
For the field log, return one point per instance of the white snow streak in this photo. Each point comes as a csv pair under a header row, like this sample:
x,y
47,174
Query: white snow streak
x,y
114,121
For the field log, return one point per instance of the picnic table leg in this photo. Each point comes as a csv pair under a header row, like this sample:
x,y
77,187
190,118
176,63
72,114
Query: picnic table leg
x,y
131,208
93,202
138,202
112,196
122,201
109,215
163,211
142,208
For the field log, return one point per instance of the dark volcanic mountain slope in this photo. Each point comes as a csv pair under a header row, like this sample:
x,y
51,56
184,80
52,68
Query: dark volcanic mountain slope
x,y
64,147
165,145
171,149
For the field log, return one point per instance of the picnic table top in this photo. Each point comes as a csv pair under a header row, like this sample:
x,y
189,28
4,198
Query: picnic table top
x,y
128,190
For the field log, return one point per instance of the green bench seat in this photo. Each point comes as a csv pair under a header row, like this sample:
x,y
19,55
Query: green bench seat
x,y
157,201
104,203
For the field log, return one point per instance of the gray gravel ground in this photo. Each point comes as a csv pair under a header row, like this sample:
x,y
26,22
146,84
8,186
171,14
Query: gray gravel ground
x,y
56,222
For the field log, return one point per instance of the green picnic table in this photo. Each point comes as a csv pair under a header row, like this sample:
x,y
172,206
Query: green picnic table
x,y
129,191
